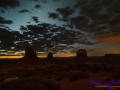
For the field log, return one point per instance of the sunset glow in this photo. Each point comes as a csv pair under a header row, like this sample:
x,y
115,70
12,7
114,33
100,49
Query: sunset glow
x,y
40,56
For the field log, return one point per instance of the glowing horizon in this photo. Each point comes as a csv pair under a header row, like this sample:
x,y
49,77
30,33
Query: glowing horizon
x,y
54,55
39,56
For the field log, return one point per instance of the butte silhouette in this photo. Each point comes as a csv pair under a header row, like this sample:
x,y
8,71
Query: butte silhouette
x,y
81,53
50,56
30,53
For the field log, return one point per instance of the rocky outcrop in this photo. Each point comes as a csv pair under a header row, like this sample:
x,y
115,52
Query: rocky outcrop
x,y
81,53
50,55
30,53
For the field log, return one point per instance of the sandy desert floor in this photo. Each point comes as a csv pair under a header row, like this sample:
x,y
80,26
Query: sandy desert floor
x,y
57,74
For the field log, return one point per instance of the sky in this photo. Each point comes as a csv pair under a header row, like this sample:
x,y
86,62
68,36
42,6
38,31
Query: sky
x,y
60,26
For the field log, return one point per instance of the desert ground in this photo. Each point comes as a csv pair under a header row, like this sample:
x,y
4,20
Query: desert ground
x,y
58,73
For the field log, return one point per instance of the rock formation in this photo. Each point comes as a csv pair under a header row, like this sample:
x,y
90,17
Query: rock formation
x,y
81,53
112,55
50,55
30,53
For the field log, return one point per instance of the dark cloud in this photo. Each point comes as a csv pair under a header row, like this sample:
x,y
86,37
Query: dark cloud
x,y
50,36
68,25
96,17
42,36
107,2
105,26
80,3
5,27
7,38
36,0
91,10
65,12
38,6
40,1
44,1
24,11
56,0
79,21
53,15
114,8
115,21
23,28
36,19
36,33
9,3
2,11
4,21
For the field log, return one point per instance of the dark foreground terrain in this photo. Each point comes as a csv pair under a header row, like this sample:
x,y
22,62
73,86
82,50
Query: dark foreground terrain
x,y
57,74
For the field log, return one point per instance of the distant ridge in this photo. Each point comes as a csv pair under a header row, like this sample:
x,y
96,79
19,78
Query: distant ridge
x,y
112,55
